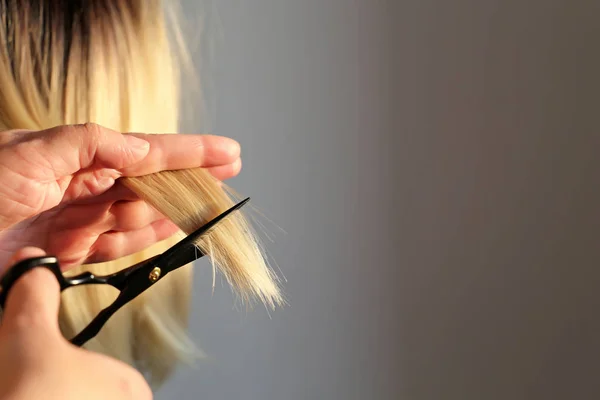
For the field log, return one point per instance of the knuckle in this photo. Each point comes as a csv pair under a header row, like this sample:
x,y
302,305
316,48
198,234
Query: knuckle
x,y
237,166
93,132
108,247
91,128
86,137
195,142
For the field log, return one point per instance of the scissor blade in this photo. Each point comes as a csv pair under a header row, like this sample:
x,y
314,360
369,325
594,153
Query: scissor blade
x,y
186,250
207,227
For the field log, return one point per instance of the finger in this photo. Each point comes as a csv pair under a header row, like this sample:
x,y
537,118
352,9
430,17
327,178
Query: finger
x,y
131,216
79,228
224,172
22,254
96,219
61,151
89,184
118,192
33,302
98,185
183,151
113,245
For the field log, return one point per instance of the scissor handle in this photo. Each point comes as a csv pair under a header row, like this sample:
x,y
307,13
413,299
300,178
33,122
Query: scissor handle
x,y
94,327
51,263
85,278
18,270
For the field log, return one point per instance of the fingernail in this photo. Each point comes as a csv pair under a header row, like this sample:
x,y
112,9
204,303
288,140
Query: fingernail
x,y
236,148
232,147
136,144
25,252
104,183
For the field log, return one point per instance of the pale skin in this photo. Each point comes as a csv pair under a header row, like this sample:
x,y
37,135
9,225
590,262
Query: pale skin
x,y
58,196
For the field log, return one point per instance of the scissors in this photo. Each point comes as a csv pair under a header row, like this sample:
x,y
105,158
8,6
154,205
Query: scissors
x,y
130,282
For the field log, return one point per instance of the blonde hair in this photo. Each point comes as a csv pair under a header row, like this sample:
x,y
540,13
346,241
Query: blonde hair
x,y
112,63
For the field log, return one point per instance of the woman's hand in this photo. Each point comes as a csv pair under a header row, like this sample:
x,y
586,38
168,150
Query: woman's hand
x,y
39,363
58,191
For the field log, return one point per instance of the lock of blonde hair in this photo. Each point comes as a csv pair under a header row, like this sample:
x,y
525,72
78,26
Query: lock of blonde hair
x,y
112,62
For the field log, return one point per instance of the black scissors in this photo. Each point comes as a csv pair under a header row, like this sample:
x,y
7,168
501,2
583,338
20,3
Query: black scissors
x,y
130,282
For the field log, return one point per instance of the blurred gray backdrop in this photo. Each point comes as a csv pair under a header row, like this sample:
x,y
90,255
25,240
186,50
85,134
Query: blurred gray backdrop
x,y
435,165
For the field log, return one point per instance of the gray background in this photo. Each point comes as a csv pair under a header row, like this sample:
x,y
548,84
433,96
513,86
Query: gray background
x,y
435,166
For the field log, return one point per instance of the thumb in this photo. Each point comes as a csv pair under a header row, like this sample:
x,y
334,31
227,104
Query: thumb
x,y
34,299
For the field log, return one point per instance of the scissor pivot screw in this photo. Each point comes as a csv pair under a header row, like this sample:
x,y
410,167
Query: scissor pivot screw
x,y
154,274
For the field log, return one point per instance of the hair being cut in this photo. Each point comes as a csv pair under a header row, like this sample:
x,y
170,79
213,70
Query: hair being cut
x,y
111,62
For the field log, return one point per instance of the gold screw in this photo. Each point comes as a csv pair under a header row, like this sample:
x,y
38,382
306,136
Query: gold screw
x,y
154,274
